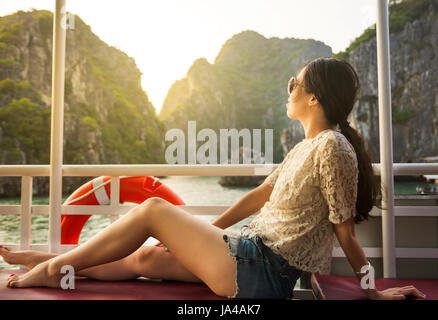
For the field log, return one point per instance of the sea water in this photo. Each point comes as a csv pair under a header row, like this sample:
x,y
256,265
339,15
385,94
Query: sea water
x,y
195,191
202,191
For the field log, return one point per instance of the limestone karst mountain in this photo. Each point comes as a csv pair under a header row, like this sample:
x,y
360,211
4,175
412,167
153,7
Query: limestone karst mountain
x,y
108,117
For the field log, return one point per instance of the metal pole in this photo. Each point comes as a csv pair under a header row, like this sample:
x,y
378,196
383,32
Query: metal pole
x,y
385,134
56,139
26,210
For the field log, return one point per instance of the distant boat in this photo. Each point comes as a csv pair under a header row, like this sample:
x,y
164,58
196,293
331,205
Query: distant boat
x,y
429,189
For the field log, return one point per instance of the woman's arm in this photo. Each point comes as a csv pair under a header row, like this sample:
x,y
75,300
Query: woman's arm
x,y
353,251
355,255
247,205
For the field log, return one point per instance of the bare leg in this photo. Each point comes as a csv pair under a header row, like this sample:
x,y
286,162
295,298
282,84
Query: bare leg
x,y
198,245
117,270
27,258
147,261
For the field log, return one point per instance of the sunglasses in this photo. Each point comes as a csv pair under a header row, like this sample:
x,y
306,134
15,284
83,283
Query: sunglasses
x,y
293,83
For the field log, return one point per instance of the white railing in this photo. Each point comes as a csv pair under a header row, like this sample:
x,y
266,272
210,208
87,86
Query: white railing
x,y
385,137
115,209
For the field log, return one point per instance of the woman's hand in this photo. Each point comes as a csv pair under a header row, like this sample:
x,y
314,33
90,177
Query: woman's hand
x,y
397,293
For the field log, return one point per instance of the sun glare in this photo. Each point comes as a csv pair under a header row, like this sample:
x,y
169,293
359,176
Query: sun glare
x,y
166,37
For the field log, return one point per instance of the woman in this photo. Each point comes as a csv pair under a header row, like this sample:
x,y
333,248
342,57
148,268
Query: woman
x,y
324,185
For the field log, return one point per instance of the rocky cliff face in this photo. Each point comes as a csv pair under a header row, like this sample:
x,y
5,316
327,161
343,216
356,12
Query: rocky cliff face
x,y
414,83
245,87
414,95
108,117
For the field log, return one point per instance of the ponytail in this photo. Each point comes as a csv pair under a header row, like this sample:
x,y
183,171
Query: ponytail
x,y
335,84
368,186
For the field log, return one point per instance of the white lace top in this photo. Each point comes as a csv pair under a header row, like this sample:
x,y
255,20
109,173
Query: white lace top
x,y
314,186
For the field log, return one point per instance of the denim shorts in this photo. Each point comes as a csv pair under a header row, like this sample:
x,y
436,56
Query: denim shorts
x,y
261,274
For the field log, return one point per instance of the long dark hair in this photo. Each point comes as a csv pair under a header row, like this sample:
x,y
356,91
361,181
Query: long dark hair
x,y
335,84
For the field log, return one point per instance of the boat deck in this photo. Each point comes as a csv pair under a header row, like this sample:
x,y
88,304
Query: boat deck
x,y
86,289
348,288
333,287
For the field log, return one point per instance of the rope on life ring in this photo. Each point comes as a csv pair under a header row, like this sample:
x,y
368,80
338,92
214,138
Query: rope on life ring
x,y
97,192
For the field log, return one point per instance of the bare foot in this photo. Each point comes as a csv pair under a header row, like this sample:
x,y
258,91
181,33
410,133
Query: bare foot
x,y
39,276
28,258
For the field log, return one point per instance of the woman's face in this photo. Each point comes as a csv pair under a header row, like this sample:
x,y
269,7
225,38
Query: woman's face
x,y
298,99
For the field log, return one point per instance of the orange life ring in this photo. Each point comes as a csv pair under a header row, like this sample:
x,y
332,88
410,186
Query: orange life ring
x,y
98,191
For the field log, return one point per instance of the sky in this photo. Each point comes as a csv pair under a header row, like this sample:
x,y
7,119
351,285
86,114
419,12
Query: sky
x,y
166,36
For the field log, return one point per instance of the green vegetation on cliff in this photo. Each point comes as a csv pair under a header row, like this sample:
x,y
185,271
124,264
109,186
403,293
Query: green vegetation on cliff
x,y
30,135
245,87
400,13
108,116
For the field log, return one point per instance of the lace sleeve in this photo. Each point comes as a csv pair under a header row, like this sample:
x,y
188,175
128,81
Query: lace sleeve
x,y
338,178
272,177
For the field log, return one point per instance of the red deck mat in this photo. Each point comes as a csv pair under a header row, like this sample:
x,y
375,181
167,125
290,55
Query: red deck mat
x,y
348,288
86,289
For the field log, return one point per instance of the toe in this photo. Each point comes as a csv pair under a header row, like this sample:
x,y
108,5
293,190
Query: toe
x,y
11,279
15,283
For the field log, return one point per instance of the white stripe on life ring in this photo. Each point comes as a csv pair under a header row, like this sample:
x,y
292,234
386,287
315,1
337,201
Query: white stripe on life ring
x,y
100,193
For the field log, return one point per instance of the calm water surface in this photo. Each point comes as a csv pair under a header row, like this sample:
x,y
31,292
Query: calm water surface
x,y
193,190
